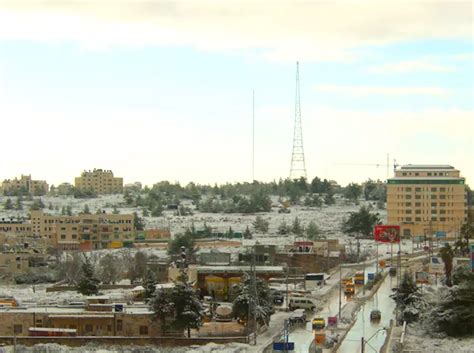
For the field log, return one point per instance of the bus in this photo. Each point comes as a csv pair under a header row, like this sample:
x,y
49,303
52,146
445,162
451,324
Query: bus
x,y
359,277
314,280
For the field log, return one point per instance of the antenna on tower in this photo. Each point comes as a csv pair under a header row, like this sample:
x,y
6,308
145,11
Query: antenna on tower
x,y
298,167
253,136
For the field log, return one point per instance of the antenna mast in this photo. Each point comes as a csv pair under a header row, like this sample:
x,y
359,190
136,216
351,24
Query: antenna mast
x,y
298,167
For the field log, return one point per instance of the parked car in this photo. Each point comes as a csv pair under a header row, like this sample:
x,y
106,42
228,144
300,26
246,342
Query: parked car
x,y
298,317
393,271
277,296
302,303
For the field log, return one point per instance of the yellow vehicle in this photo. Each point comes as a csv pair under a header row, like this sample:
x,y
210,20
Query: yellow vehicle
x,y
359,277
318,323
350,289
347,280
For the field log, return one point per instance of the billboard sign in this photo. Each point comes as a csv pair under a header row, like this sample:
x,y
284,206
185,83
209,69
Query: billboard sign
x,y
283,346
422,277
387,234
418,239
440,234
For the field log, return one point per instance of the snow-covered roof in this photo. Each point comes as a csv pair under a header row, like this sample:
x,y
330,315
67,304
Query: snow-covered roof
x,y
222,269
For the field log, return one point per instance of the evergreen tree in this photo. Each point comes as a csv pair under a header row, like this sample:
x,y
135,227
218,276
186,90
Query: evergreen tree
x,y
86,209
247,234
138,267
138,222
296,227
245,298
8,204
283,228
361,222
63,211
313,231
187,305
145,212
352,192
157,210
163,309
109,271
115,210
19,204
408,298
149,284
69,210
260,225
447,256
88,284
99,211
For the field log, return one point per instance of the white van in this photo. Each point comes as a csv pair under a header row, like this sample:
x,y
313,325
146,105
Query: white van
x,y
302,303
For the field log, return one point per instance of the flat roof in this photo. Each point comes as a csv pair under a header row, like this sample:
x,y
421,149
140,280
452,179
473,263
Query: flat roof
x,y
222,269
426,166
426,178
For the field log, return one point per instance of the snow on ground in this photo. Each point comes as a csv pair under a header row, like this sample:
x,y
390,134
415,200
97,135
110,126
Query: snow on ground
x,y
418,341
56,348
327,218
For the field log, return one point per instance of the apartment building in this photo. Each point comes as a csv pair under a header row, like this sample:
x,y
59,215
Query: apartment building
x,y
24,185
427,200
84,231
98,317
100,181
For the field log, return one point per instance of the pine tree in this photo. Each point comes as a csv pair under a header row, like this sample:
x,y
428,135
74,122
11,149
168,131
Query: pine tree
x,y
8,204
69,210
50,206
260,225
297,228
247,234
312,231
115,210
63,211
19,204
88,284
187,306
163,309
86,209
149,284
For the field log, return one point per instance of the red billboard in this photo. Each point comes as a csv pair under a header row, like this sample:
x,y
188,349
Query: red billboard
x,y
387,234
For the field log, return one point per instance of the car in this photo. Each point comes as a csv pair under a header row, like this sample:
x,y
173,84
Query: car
x,y
393,271
277,296
298,317
375,315
302,303
349,289
318,323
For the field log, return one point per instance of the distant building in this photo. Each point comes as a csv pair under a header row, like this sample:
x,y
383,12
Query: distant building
x,y
99,181
427,199
24,185
84,231
133,187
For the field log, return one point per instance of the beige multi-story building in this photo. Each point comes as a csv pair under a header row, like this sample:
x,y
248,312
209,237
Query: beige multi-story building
x,y
100,181
25,185
427,199
84,231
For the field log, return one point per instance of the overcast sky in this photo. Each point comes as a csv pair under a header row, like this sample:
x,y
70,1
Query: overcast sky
x,y
162,90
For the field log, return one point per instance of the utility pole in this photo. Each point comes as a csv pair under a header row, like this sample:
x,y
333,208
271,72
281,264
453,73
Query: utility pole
x,y
362,348
254,294
286,299
253,136
340,290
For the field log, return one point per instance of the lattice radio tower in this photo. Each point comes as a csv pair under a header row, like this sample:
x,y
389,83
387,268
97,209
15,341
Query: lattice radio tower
x,y
298,167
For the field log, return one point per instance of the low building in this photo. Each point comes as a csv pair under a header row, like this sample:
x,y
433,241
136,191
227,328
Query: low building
x,y
98,317
99,181
24,185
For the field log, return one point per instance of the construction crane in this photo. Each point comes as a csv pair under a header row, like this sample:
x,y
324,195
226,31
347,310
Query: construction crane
x,y
377,165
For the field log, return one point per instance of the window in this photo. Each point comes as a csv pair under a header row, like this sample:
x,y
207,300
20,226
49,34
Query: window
x,y
408,211
88,328
417,189
433,204
429,174
434,219
442,189
417,219
143,330
408,197
433,197
408,204
63,236
408,219
119,325
433,212
408,189
404,174
72,327
417,204
442,204
17,329
442,219
406,232
418,211
434,189
109,328
442,197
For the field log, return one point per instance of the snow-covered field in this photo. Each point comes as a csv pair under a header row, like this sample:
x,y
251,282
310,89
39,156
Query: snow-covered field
x,y
328,219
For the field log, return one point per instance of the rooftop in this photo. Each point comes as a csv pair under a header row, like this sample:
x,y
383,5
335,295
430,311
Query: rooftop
x,y
426,166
